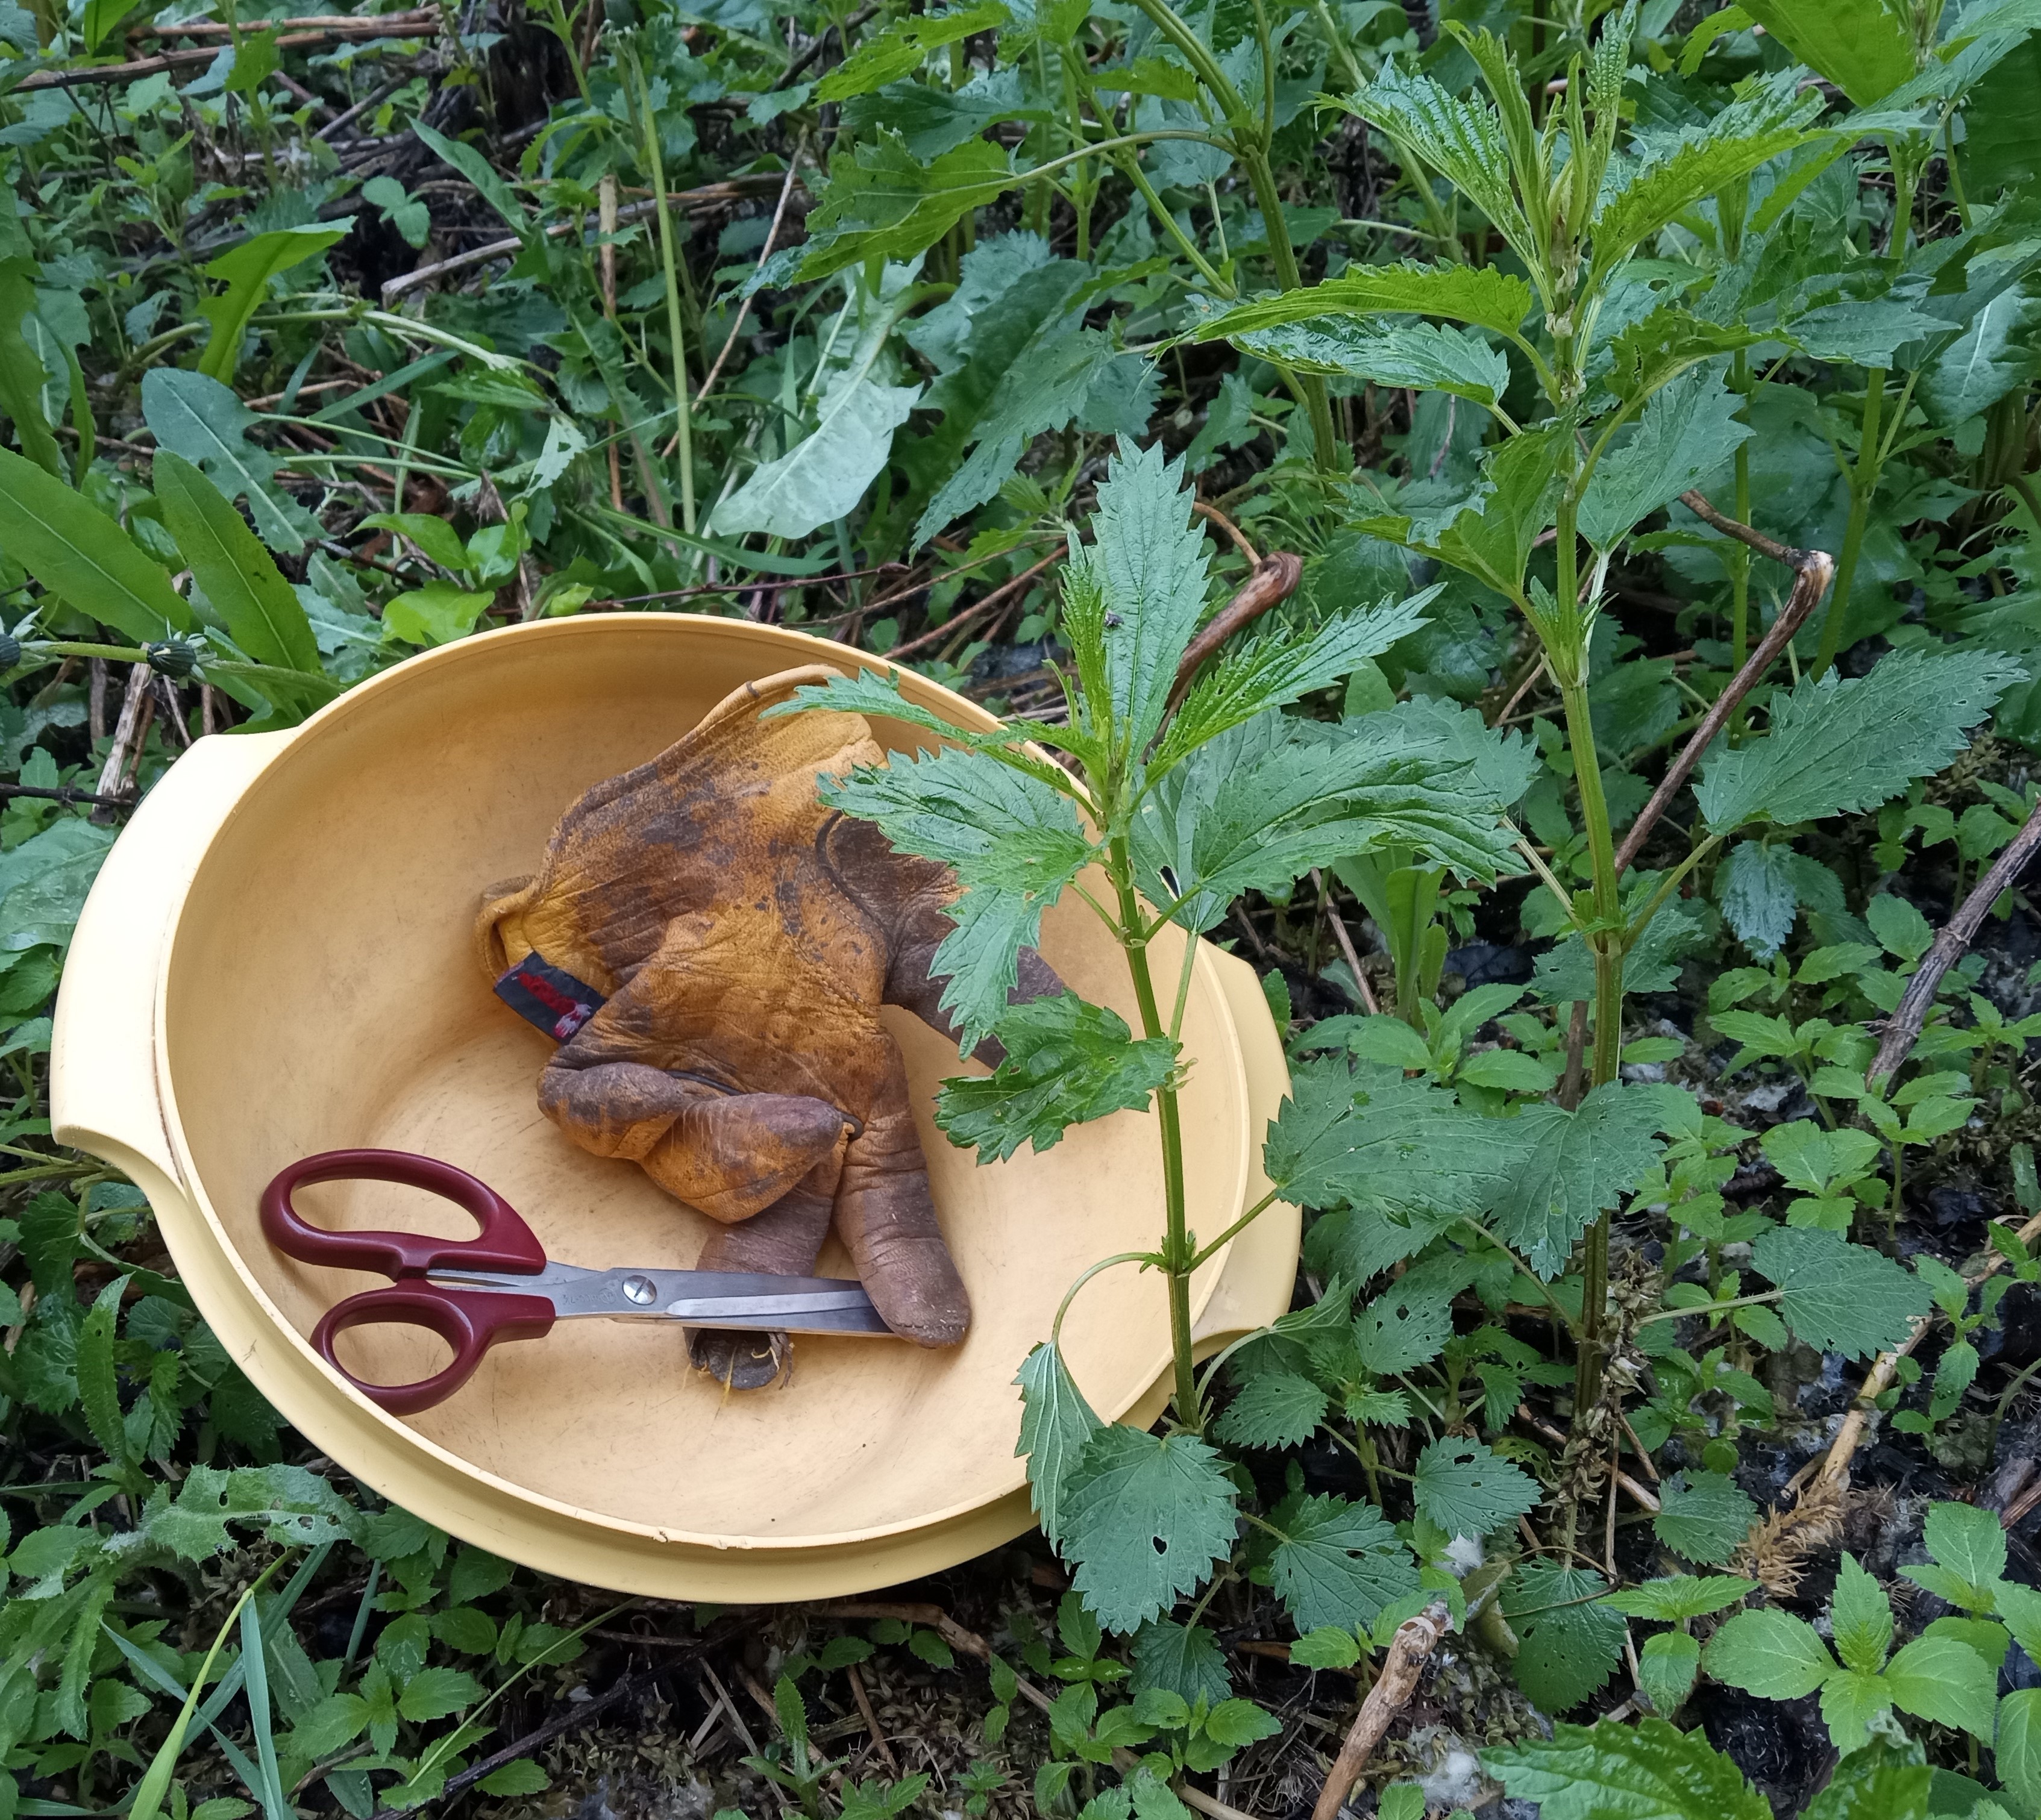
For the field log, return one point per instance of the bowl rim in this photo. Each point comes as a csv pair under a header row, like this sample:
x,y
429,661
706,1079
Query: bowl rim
x,y
398,1435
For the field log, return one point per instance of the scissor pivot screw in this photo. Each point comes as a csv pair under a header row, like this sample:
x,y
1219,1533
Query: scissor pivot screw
x,y
639,1290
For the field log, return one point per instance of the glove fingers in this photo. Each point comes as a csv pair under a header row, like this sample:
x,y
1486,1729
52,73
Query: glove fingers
x,y
733,1157
888,1219
783,1241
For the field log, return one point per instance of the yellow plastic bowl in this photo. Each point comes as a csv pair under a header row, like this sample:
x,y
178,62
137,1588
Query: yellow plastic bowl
x,y
275,961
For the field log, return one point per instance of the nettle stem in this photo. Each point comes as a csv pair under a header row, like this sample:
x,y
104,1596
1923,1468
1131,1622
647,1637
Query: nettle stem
x,y
1605,937
1178,1259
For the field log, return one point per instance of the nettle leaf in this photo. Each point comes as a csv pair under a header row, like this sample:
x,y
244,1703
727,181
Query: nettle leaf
x,y
1408,1325
1013,842
1148,567
1968,1542
1419,355
1462,140
1573,1166
1703,1516
1944,1679
1838,746
898,50
1866,51
1484,295
1144,1519
1753,130
1068,1063
1184,1659
1468,1489
1278,667
1338,1564
1585,1773
883,203
1569,1641
2017,1751
1860,1618
1884,1781
198,418
1261,805
1686,432
1274,1409
1681,1596
1840,1297
1771,1654
1056,1424
1667,1667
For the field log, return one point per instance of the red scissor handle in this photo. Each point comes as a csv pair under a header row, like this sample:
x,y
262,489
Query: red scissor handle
x,y
471,1321
505,1242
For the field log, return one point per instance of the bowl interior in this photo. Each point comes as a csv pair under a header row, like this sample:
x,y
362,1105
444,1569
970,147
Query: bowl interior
x,y
321,993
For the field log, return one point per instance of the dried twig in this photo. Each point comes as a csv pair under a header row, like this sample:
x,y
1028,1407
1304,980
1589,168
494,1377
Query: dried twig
x,y
871,1719
1813,570
1212,514
1902,1029
573,1717
998,597
1345,940
129,731
765,253
1835,1467
708,196
1275,580
92,73
1415,1639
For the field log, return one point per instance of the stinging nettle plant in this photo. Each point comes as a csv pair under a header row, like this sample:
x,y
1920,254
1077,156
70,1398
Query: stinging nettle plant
x,y
1167,811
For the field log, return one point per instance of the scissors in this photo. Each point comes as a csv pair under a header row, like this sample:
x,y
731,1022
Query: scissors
x,y
501,1285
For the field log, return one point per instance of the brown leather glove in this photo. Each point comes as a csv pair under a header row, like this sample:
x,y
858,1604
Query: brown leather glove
x,y
710,947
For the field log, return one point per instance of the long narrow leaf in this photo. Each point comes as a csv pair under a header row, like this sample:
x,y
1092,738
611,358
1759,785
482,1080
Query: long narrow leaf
x,y
79,553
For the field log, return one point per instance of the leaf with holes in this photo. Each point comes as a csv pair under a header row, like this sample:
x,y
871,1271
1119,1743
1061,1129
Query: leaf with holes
x,y
1144,1519
1336,1563
1469,1490
1569,1640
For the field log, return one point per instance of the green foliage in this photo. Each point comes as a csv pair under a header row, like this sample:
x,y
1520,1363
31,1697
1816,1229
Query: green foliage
x,y
1585,1771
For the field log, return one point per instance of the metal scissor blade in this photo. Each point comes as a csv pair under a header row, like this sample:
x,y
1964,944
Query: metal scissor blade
x,y
752,1301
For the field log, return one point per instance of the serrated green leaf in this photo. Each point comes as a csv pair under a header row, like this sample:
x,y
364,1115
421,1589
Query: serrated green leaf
x,y
1703,1516
1067,1062
98,1393
1944,1679
1338,1564
1572,1165
1860,1618
434,1692
80,555
1681,1596
1753,130
1462,140
1326,1647
1867,51
1569,1642
1666,1669
1014,843
2016,1747
1968,1541
1421,355
1144,1519
1688,431
1838,745
1406,1325
1878,1782
1183,1659
1467,1490
1648,1768
1840,1297
1274,1409
883,203
1771,1654
1056,1424
898,50
262,614
1851,1700
1484,295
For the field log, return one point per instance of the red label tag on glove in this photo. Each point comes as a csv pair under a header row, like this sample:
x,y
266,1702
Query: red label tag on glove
x,y
541,994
